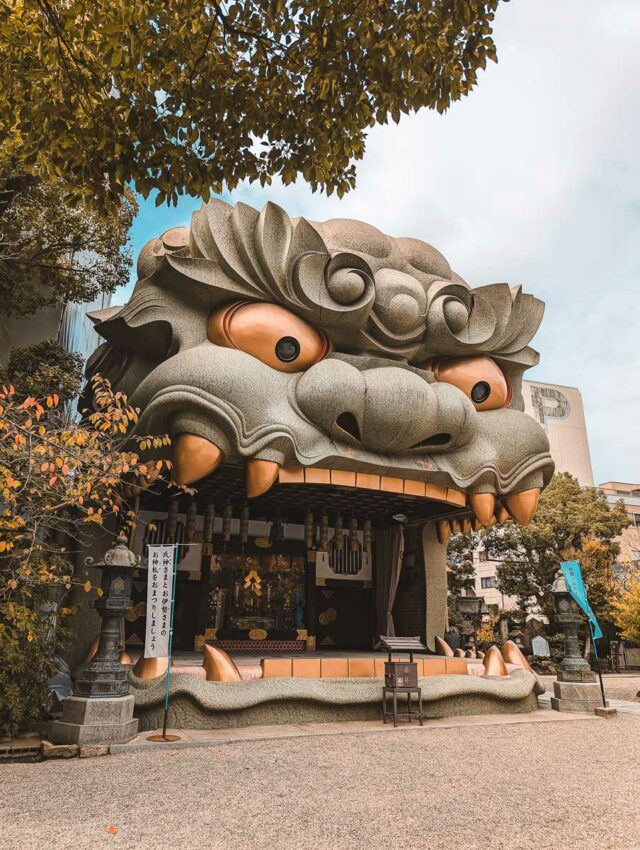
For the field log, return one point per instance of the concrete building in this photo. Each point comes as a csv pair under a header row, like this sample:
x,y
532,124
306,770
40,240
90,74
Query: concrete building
x,y
486,583
629,494
561,413
68,324
76,331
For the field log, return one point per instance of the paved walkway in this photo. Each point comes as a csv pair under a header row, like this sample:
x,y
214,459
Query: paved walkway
x,y
570,783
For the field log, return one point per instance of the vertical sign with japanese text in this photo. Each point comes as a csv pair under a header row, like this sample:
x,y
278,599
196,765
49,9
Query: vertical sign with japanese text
x,y
159,601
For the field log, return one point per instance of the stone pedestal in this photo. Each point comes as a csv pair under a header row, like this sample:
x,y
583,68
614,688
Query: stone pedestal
x,y
579,694
95,721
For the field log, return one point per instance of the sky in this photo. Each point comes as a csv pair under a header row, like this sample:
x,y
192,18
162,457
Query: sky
x,y
533,179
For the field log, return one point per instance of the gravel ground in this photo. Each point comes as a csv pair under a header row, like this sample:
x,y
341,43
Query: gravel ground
x,y
548,785
616,687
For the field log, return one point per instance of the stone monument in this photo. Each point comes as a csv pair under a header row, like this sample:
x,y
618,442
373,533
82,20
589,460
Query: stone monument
x,y
540,647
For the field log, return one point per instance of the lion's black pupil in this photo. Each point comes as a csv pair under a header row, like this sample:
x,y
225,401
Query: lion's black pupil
x,y
480,392
287,349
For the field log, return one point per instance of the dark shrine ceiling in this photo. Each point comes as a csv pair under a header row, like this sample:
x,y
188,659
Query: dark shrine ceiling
x,y
292,501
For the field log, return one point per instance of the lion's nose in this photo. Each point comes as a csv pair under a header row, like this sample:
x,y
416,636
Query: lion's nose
x,y
386,409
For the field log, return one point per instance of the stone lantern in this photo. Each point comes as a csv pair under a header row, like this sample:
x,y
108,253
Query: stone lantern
x,y
105,676
101,708
470,610
576,688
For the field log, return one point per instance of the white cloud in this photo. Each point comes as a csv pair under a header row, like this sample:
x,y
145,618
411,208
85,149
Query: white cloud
x,y
533,179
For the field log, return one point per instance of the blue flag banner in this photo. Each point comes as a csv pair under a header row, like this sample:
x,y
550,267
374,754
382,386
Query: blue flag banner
x,y
575,585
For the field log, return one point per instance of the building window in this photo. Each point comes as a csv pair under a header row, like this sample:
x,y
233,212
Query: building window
x,y
487,582
482,554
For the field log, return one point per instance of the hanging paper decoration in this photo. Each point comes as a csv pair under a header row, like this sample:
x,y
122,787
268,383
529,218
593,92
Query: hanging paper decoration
x,y
226,522
209,522
353,534
309,528
338,537
244,525
367,535
324,532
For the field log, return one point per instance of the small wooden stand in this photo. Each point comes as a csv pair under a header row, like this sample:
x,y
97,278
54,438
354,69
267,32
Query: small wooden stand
x,y
401,677
394,694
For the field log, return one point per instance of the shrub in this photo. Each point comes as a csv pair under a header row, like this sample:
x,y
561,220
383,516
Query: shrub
x,y
33,631
58,478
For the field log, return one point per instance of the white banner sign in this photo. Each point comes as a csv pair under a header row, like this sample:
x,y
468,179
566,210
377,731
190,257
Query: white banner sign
x,y
159,593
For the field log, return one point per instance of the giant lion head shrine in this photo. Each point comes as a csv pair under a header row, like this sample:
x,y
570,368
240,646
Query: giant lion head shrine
x,y
340,401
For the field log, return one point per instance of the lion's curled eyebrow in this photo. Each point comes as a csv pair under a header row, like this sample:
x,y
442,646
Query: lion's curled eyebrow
x,y
362,296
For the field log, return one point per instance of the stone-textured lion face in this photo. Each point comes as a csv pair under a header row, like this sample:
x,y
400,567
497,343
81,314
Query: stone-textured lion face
x,y
327,345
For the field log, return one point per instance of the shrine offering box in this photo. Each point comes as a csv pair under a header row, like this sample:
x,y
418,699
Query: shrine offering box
x,y
401,674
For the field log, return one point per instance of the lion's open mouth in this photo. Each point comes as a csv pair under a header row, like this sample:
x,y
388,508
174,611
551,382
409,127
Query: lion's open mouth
x,y
289,492
291,468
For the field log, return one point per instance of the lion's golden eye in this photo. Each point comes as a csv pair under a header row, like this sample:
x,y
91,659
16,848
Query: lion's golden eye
x,y
480,378
272,334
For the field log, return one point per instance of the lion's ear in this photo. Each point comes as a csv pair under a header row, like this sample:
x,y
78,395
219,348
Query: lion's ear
x,y
153,339
100,316
140,327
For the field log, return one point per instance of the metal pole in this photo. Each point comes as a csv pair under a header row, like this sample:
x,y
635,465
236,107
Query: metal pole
x,y
595,652
168,676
